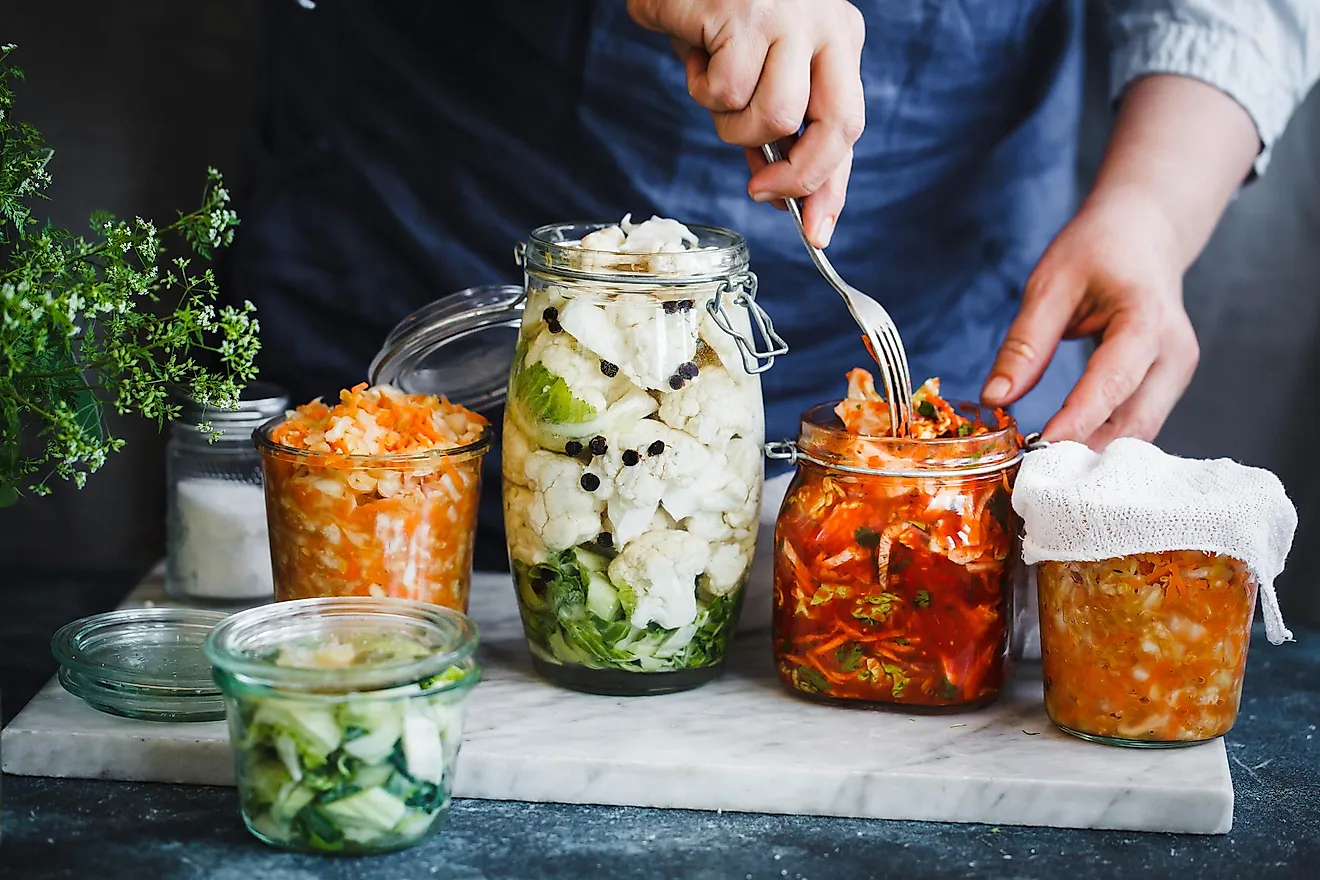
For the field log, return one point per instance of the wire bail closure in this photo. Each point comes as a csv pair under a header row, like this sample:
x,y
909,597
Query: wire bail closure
x,y
789,451
743,288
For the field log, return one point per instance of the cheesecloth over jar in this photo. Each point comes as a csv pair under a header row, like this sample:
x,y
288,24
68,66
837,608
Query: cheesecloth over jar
x,y
1078,505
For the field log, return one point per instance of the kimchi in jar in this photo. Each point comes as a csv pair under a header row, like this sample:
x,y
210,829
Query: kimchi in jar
x,y
895,557
1145,650
375,496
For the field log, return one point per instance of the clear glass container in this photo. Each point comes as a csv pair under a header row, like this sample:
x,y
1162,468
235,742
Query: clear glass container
x,y
217,551
346,717
144,663
1146,650
398,526
632,457
895,566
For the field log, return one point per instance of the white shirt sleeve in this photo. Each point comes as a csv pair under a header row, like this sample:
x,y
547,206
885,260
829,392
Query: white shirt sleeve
x,y
1265,54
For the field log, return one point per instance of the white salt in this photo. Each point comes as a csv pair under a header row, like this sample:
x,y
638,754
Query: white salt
x,y
222,551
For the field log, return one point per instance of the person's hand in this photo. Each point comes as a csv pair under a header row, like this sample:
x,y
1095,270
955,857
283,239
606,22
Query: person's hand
x,y
763,68
1114,272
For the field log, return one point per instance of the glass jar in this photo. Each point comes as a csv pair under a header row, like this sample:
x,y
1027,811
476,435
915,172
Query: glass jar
x,y
346,717
894,565
632,457
1145,650
216,547
399,526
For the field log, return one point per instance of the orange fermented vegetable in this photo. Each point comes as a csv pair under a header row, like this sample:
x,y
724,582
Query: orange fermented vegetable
x,y
895,588
1146,649
376,496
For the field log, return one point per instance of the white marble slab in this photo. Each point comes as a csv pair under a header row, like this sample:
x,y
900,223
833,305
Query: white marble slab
x,y
740,744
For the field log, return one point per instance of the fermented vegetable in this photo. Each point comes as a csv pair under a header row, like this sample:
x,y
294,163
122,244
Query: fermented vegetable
x,y
1146,649
357,773
375,496
895,588
632,464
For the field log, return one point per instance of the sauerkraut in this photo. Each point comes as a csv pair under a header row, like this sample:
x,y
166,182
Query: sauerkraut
x,y
1146,649
375,496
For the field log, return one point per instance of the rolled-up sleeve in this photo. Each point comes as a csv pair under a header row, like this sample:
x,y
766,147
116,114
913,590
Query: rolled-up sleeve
x,y
1265,54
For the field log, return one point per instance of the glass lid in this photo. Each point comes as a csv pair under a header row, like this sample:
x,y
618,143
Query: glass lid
x,y
141,663
460,346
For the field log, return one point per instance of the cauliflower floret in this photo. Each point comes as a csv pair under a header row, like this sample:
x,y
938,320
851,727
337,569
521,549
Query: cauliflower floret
x,y
668,469
561,511
726,569
723,344
659,235
713,408
642,340
525,545
739,497
610,239
515,447
656,576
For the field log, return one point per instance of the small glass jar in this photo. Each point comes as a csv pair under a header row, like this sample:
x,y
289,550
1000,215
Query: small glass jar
x,y
346,717
217,550
1146,650
895,562
632,457
398,526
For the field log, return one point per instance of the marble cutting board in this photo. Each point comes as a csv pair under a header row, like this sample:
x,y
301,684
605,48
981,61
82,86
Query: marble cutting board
x,y
740,743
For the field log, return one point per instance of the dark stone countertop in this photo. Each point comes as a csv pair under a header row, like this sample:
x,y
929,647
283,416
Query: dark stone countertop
x,y
79,828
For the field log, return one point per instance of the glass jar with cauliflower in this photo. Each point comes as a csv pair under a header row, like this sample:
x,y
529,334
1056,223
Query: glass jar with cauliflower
x,y
894,556
374,496
632,452
1145,650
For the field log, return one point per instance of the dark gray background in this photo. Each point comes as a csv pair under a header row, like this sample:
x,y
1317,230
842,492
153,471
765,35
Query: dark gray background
x,y
138,98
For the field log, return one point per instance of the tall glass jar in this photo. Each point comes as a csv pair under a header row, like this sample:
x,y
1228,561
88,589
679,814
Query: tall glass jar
x,y
632,457
895,562
217,550
1146,650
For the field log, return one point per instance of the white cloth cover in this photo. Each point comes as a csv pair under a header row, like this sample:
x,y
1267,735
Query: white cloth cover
x,y
1078,505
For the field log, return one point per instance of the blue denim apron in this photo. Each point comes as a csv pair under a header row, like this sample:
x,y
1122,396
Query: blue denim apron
x,y
400,150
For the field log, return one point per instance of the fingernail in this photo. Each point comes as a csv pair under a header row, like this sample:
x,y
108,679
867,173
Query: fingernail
x,y
996,389
826,231
762,196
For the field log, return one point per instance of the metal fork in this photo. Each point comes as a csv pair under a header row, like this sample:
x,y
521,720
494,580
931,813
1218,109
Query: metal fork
x,y
886,345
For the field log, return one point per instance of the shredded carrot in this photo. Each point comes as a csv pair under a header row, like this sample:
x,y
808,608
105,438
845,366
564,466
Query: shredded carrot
x,y
384,505
1149,647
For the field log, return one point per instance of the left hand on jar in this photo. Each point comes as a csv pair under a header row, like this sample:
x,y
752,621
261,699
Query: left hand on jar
x,y
1114,273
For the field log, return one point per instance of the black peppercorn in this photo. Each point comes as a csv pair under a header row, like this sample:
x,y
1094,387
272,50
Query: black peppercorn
x,y
550,314
676,381
554,326
609,369
590,482
656,448
630,457
670,306
572,447
605,539
685,305
688,371
598,446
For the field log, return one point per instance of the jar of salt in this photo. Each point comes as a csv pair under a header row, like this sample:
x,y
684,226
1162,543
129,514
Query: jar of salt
x,y
217,549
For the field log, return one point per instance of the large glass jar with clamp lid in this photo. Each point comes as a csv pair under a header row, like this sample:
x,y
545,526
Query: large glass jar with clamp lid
x,y
632,451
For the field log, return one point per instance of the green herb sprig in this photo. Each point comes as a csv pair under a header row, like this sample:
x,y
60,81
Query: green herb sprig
x,y
96,321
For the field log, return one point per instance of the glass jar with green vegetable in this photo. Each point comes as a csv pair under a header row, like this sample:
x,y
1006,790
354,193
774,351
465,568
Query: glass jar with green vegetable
x,y
632,451
345,715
